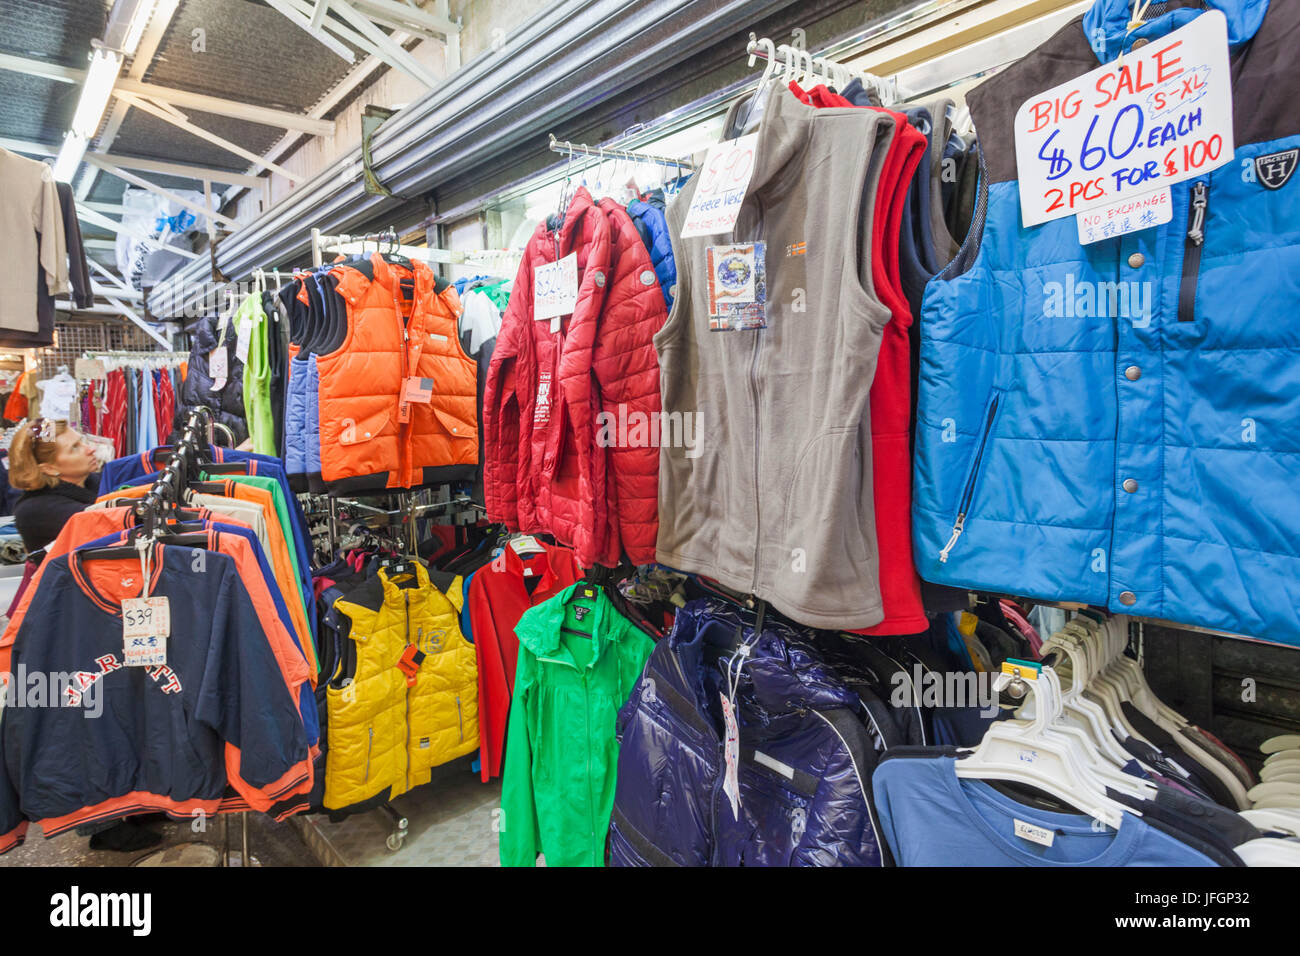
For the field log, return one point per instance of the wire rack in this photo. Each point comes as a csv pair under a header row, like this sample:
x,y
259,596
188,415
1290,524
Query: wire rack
x,y
72,339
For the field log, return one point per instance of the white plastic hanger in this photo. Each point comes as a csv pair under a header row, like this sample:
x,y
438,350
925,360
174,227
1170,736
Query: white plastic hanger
x,y
1283,742
1282,756
1268,851
1281,819
1023,752
1275,790
1079,711
1282,773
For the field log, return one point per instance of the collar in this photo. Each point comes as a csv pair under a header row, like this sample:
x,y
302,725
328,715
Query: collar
x,y
112,603
543,636
514,565
394,593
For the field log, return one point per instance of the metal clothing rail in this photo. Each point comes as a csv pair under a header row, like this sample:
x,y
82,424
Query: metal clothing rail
x,y
581,149
386,243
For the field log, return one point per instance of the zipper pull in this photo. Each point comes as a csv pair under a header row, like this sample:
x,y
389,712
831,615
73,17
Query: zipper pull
x,y
1200,200
956,533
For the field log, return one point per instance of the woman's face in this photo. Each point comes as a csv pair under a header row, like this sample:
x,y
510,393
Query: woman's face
x,y
74,460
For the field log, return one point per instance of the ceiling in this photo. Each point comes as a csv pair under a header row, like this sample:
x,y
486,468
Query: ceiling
x,y
241,51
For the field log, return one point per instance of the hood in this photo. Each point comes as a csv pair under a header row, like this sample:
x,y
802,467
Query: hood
x,y
1106,22
784,672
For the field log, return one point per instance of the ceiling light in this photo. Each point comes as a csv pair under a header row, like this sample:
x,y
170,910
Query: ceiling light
x,y
127,22
105,64
70,153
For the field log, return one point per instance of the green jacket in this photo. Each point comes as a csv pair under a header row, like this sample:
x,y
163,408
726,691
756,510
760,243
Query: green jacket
x,y
257,376
561,750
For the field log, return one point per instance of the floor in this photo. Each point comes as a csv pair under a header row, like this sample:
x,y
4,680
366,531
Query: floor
x,y
270,844
451,821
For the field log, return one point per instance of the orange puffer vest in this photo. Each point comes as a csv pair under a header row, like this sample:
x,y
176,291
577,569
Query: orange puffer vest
x,y
401,323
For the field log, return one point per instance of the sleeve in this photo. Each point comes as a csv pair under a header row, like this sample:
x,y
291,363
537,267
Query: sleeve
x,y
502,426
78,269
13,828
243,696
54,250
520,839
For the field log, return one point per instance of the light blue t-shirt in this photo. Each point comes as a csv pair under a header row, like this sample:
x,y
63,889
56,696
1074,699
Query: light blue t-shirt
x,y
931,817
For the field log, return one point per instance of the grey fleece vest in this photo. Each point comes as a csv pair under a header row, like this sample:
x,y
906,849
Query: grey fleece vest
x,y
775,498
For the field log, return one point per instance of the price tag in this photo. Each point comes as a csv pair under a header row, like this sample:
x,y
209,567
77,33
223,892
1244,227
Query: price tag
x,y
1160,115
241,341
723,182
218,367
1125,216
555,288
146,625
731,756
417,391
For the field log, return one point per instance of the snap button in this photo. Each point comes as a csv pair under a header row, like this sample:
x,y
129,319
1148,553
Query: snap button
x,y
647,277
1127,598
600,279
367,434
1132,373
1136,260
1130,485
672,290
453,431
1139,43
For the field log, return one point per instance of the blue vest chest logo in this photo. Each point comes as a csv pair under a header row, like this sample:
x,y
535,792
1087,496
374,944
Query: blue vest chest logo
x,y
1275,169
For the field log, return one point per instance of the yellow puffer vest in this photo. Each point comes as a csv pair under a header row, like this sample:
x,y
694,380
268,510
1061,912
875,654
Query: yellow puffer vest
x,y
394,715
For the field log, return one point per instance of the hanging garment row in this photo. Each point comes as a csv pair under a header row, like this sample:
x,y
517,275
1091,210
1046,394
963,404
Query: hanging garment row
x,y
571,404
208,709
133,405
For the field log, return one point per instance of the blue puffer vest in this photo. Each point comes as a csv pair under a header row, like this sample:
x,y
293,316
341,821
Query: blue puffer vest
x,y
295,419
805,755
653,227
1145,458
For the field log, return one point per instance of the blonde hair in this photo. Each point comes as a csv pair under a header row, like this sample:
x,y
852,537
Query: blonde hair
x,y
28,451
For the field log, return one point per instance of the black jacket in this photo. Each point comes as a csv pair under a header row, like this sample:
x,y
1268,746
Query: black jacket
x,y
40,515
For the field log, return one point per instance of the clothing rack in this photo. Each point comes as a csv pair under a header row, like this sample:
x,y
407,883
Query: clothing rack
x,y
386,242
601,152
411,507
787,61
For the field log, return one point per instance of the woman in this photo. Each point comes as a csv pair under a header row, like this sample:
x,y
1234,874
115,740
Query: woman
x,y
59,472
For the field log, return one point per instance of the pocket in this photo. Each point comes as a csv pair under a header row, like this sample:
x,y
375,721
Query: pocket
x,y
829,506
1198,209
973,470
367,429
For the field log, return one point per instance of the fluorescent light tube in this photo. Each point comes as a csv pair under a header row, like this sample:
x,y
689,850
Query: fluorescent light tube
x,y
69,160
105,65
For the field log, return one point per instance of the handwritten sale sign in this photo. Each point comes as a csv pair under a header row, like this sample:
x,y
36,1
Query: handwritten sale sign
x,y
1158,116
724,180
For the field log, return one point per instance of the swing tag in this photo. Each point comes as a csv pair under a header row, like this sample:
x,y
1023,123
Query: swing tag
x,y
245,333
417,391
146,625
219,367
737,286
731,754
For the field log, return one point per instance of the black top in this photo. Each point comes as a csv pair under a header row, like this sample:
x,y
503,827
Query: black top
x,y
40,515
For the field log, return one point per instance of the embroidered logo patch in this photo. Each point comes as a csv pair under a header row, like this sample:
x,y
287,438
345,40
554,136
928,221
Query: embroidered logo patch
x,y
1275,169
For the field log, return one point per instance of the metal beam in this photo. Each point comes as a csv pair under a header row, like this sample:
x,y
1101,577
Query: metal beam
x,y
167,194
161,18
393,53
167,117
202,102
299,19
139,321
183,170
400,15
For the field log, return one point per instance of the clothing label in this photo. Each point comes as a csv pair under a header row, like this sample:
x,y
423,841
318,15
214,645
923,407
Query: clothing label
x,y
218,367
525,544
555,288
244,334
581,612
1039,835
542,407
1158,115
723,182
417,391
146,625
737,286
731,754
1125,216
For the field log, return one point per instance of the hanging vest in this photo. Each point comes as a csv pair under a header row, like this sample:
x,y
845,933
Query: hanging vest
x,y
405,698
775,498
1137,453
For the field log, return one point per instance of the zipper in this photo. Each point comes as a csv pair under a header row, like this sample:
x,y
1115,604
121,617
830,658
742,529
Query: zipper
x,y
1196,214
369,746
963,506
459,720
591,802
407,755
754,394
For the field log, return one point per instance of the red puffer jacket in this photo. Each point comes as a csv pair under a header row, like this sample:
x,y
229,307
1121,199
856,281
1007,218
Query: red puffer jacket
x,y
569,416
537,474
